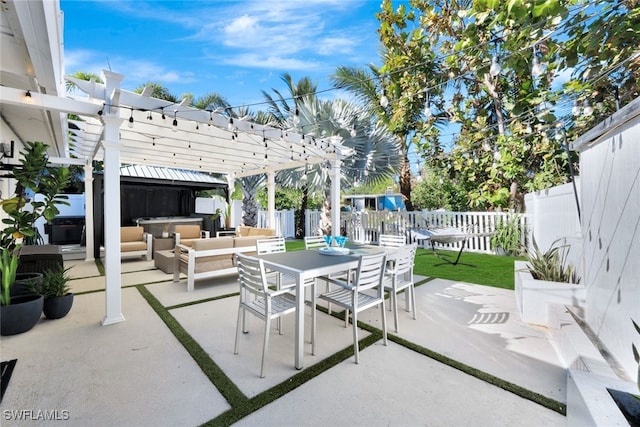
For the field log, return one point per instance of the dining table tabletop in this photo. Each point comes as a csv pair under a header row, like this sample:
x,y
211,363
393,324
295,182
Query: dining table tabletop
x,y
310,264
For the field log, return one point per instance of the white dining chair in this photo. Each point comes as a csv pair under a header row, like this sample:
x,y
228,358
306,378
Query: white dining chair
x,y
365,292
391,240
258,299
315,242
399,277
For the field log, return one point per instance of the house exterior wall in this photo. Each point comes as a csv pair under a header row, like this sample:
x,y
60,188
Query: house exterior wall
x,y
610,195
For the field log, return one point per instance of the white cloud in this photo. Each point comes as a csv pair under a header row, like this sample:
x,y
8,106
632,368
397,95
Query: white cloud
x,y
335,45
254,60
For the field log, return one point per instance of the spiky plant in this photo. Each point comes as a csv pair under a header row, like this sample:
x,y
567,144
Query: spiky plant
x,y
552,264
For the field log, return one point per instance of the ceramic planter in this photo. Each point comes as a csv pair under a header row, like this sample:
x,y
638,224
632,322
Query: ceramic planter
x,y
57,307
21,315
533,296
21,286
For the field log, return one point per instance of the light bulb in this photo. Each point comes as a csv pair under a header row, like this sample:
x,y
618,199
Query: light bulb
x,y
384,101
588,110
175,125
575,110
230,125
427,110
353,132
536,69
495,66
130,124
296,117
27,97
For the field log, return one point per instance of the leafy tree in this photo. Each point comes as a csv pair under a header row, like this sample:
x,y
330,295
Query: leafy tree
x,y
435,190
158,91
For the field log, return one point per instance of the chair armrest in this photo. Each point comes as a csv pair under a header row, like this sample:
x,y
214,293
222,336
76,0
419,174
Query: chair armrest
x,y
176,237
340,283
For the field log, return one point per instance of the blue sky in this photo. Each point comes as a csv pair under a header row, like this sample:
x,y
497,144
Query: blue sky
x,y
234,48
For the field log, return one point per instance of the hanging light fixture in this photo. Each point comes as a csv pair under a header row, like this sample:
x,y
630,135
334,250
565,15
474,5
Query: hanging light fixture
x,y
27,97
575,110
588,109
427,107
130,124
230,125
384,101
149,116
175,122
296,116
495,68
353,132
536,68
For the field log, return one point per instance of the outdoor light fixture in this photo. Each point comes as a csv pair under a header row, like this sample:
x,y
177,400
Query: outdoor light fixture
x,y
230,126
163,116
27,97
175,122
384,101
296,116
587,110
353,132
495,66
149,116
101,111
130,124
536,68
575,110
210,118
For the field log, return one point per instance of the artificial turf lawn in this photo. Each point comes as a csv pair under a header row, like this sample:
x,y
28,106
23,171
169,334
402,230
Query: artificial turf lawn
x,y
481,269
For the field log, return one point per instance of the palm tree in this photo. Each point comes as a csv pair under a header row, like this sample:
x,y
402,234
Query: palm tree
x,y
362,85
250,186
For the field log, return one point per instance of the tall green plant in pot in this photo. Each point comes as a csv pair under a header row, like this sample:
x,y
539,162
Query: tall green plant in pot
x,y
33,176
506,239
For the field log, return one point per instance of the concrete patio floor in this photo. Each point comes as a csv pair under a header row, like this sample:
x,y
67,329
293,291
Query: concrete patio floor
x,y
139,373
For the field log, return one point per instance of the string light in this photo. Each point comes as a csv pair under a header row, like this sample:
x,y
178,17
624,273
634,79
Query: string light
x,y
130,124
27,97
587,110
384,101
536,68
175,121
495,68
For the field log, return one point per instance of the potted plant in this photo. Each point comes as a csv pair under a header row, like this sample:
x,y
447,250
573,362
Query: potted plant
x,y
56,292
33,176
19,313
546,278
165,230
507,236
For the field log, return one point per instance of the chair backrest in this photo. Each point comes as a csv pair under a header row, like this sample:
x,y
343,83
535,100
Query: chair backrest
x,y
370,271
187,231
269,246
131,234
391,240
405,260
251,275
312,242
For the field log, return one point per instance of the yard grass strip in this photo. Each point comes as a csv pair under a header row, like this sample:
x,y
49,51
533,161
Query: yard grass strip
x,y
218,378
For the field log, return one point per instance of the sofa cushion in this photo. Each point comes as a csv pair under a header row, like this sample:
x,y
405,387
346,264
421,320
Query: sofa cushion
x,y
131,234
242,231
187,231
239,242
133,246
215,262
214,243
254,231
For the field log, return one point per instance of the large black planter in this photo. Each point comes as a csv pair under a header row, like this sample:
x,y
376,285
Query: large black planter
x,y
22,285
57,307
21,315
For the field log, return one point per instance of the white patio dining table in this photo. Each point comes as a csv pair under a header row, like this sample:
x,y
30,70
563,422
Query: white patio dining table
x,y
311,264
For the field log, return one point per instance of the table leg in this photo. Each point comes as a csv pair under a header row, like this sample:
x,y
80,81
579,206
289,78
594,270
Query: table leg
x,y
299,338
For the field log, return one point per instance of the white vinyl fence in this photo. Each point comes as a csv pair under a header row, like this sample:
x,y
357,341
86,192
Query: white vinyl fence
x,y
368,225
285,222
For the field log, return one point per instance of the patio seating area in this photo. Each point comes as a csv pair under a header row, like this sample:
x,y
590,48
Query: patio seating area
x,y
172,363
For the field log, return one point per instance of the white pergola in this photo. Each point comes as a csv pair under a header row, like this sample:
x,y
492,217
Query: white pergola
x,y
162,133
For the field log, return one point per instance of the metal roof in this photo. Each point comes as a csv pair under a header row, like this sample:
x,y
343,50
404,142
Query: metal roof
x,y
168,174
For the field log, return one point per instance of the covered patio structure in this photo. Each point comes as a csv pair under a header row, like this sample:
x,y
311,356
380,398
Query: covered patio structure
x,y
118,127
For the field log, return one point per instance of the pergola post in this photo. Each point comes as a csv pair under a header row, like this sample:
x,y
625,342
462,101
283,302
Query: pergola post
x,y
271,199
334,174
111,146
88,212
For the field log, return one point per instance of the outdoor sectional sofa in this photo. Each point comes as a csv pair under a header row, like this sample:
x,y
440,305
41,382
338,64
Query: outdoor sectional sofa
x,y
212,257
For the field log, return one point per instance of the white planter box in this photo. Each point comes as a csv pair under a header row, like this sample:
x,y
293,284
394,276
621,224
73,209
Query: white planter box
x,y
534,296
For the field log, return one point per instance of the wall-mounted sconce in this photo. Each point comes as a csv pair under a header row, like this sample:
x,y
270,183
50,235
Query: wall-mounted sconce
x,y
6,149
